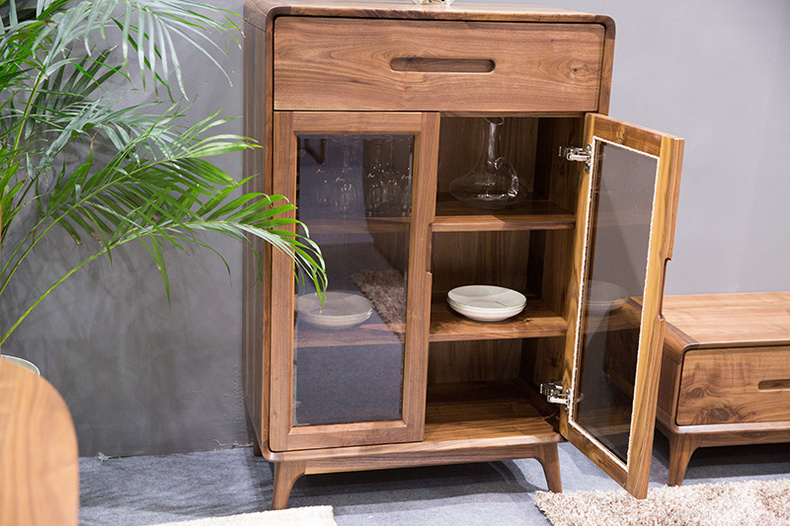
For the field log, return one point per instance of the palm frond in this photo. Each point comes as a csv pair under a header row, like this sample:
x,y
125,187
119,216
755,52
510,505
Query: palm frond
x,y
142,175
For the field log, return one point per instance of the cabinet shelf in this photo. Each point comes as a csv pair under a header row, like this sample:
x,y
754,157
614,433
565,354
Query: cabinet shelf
x,y
334,226
483,411
374,333
455,216
465,422
627,317
537,320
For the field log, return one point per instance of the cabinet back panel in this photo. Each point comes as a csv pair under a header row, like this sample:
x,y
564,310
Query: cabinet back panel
x,y
476,361
461,145
480,258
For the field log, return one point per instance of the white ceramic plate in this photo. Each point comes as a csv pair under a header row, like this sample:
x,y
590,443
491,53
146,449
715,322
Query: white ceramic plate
x,y
486,302
341,310
603,296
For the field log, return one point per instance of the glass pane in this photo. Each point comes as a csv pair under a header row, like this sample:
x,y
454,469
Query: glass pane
x,y
617,253
354,195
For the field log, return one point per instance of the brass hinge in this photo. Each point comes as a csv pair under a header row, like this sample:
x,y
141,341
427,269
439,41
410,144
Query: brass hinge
x,y
583,155
555,394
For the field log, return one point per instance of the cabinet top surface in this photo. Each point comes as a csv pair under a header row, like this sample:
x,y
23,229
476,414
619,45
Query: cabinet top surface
x,y
737,320
257,11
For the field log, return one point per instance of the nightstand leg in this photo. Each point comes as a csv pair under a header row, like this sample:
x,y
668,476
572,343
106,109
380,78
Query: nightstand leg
x,y
285,475
550,461
680,449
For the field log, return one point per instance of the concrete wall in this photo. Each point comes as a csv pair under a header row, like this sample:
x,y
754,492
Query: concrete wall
x,y
143,377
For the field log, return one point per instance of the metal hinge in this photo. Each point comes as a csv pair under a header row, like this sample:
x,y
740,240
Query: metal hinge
x,y
571,153
555,394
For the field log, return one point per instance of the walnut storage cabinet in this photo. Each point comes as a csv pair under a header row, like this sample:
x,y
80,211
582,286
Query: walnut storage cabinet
x,y
366,112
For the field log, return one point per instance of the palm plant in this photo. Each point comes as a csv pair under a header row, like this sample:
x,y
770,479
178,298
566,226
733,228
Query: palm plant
x,y
76,155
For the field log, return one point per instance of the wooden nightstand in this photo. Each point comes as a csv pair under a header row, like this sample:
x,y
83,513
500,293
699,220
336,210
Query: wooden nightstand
x,y
725,375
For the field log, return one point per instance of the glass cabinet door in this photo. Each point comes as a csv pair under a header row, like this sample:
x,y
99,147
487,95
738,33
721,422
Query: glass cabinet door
x,y
349,368
614,346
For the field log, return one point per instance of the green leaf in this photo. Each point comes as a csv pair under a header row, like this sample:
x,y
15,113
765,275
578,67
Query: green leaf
x,y
77,158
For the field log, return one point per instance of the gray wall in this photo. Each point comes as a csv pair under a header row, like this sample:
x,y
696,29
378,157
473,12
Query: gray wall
x,y
141,377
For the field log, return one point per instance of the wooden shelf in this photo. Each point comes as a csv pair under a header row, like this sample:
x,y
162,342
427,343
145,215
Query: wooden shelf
x,y
455,216
374,333
483,411
536,321
465,422
361,225
627,317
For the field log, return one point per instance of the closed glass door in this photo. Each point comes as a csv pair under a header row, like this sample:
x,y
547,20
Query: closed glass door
x,y
355,365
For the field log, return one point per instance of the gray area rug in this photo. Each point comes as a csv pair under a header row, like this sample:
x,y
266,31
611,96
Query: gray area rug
x,y
146,490
754,502
309,516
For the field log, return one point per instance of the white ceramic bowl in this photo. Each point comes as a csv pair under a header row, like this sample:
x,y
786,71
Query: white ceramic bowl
x,y
341,310
486,302
603,296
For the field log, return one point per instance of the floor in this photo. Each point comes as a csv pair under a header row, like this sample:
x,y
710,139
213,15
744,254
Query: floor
x,y
155,489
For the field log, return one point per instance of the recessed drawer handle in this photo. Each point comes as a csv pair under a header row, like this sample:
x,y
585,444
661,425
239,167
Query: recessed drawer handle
x,y
770,385
443,65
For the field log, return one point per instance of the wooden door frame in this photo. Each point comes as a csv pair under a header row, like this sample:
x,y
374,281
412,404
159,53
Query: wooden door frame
x,y
634,474
425,129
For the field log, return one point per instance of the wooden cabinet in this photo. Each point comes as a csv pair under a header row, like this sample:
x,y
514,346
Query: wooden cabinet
x,y
725,374
366,115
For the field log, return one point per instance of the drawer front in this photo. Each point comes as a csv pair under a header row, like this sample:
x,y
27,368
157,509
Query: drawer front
x,y
417,65
723,386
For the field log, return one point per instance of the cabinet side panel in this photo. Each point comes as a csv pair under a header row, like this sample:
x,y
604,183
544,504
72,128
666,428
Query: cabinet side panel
x,y
607,63
551,253
257,256
559,180
671,364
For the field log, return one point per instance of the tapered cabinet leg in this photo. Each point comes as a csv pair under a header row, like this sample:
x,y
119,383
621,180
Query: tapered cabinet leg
x,y
285,475
680,449
550,461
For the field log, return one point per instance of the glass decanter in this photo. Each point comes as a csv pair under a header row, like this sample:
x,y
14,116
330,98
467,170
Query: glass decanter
x,y
492,183
373,183
396,183
346,188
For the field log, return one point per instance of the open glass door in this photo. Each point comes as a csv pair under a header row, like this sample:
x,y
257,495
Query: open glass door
x,y
624,238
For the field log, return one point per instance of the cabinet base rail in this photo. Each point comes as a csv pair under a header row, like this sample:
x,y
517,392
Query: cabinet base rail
x,y
685,440
311,462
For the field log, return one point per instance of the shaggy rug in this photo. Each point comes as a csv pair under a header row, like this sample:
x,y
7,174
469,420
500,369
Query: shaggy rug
x,y
308,516
757,502
385,290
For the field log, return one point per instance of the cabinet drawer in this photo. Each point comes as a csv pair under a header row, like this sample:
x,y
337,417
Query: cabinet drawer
x,y
430,65
721,386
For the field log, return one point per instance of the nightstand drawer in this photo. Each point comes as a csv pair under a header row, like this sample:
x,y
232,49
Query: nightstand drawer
x,y
428,65
723,386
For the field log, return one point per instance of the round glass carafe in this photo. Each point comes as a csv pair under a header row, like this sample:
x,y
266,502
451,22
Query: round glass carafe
x,y
346,188
492,183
